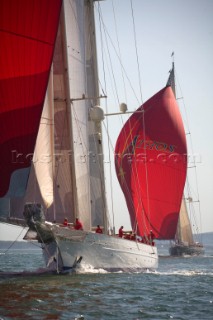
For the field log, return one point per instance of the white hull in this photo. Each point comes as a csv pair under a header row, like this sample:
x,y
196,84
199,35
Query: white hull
x,y
98,251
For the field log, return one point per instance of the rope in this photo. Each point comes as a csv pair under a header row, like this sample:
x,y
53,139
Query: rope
x,y
13,241
107,36
193,162
136,51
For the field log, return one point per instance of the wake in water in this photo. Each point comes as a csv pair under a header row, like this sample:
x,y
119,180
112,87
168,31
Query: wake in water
x,y
185,273
38,272
80,269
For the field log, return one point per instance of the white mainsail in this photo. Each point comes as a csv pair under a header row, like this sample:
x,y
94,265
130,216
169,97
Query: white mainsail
x,y
83,87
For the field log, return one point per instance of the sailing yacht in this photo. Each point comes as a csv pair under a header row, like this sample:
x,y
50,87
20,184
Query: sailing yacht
x,y
184,243
52,146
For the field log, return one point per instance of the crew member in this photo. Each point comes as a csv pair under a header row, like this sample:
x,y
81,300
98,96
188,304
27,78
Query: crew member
x,y
98,229
151,238
65,223
120,232
78,225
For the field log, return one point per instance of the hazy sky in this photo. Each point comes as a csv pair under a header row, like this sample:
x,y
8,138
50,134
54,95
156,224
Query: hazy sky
x,y
163,26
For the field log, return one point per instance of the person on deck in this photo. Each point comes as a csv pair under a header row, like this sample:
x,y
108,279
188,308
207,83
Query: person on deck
x,y
98,229
151,238
78,225
120,232
65,223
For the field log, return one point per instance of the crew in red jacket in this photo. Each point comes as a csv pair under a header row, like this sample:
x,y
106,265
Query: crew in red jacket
x,y
120,232
98,229
65,223
78,225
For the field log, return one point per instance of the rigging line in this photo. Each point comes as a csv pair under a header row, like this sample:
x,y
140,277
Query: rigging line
x,y
107,57
190,138
110,62
107,35
191,144
10,246
86,151
128,191
82,143
110,169
139,78
20,35
115,51
113,150
191,206
130,197
100,171
61,139
44,246
146,172
136,51
119,50
136,178
102,54
107,122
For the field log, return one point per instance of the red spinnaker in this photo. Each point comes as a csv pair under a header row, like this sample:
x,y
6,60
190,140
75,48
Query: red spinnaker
x,y
151,165
28,30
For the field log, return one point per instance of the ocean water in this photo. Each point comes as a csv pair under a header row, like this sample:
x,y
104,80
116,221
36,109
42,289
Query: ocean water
x,y
181,288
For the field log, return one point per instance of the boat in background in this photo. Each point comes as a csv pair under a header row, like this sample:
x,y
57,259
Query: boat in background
x,y
52,130
184,242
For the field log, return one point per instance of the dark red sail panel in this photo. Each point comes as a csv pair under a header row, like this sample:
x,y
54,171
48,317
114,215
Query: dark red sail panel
x,y
151,164
28,31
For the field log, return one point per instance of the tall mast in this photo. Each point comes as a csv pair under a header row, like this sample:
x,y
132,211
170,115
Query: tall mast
x,y
95,131
74,207
171,80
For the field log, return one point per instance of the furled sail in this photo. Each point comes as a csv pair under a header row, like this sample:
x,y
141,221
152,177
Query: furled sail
x,y
151,163
28,30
